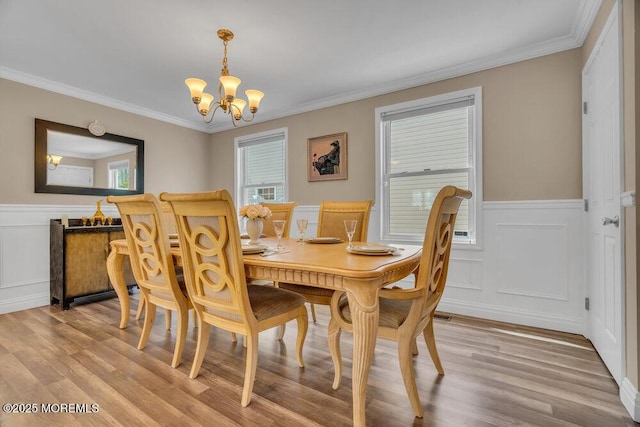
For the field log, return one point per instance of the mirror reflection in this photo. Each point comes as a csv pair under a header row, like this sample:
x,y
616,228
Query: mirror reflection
x,y
70,160
79,161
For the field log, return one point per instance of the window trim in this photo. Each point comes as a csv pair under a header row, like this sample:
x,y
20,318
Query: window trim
x,y
255,138
475,152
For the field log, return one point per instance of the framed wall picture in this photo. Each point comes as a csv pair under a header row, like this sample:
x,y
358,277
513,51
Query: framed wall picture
x,y
327,157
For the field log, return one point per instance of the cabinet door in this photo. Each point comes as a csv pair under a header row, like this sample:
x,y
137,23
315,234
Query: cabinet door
x,y
86,263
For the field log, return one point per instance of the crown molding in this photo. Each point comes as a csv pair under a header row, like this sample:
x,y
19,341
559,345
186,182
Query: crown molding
x,y
74,92
587,12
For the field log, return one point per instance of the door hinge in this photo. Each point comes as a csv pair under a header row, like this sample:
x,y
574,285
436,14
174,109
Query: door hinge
x,y
584,107
586,303
586,205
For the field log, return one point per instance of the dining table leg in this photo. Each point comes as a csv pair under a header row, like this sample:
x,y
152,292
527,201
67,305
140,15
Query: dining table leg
x,y
115,270
364,307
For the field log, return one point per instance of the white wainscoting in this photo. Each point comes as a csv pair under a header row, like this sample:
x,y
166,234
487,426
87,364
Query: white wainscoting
x,y
24,251
529,268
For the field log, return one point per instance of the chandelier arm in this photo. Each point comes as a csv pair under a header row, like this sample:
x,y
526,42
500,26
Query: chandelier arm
x,y
213,113
248,120
233,116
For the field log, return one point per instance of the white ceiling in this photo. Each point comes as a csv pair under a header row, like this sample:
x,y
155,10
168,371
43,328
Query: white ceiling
x,y
134,55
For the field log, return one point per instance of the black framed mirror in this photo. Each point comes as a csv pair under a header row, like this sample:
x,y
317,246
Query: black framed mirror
x,y
72,160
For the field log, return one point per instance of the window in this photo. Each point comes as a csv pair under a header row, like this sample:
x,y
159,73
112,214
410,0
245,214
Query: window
x,y
261,167
119,175
424,145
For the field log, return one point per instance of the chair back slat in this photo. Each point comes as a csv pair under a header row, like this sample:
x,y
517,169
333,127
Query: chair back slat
x,y
434,264
151,262
208,231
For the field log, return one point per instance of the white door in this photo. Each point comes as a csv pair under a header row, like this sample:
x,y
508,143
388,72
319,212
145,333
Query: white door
x,y
602,188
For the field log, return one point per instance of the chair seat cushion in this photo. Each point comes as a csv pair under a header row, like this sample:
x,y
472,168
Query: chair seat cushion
x,y
267,301
392,312
306,290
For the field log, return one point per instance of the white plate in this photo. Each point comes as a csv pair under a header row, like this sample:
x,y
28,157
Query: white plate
x,y
323,240
372,250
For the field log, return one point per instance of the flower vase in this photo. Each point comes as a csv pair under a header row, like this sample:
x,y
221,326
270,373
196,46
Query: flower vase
x,y
254,230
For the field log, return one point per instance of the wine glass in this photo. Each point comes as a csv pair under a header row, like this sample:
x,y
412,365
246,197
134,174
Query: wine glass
x,y
302,227
350,228
278,226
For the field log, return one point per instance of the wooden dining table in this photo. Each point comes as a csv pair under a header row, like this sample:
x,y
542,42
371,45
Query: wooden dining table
x,y
322,265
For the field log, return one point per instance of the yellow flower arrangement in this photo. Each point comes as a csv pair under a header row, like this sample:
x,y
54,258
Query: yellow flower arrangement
x,y
255,211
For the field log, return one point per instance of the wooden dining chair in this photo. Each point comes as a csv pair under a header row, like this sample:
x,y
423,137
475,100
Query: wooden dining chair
x,y
152,264
282,211
208,232
331,224
407,313
278,211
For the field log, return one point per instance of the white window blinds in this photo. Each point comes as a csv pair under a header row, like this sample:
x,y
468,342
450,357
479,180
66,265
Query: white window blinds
x,y
262,165
426,147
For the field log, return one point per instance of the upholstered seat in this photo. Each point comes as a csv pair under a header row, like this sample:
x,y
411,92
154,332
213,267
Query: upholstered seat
x,y
393,313
407,313
207,226
265,303
152,264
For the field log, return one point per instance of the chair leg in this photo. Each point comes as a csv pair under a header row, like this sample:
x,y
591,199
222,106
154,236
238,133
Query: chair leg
x,y
167,319
140,307
313,312
194,318
149,318
334,347
303,325
183,323
203,341
408,374
281,330
414,346
430,339
250,368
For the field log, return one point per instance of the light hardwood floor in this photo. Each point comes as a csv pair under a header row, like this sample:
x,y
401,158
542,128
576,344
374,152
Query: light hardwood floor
x,y
496,375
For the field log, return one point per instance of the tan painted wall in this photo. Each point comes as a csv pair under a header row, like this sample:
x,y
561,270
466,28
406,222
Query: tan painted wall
x,y
176,159
532,134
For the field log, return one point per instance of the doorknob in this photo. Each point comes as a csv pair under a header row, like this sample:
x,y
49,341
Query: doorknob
x,y
615,221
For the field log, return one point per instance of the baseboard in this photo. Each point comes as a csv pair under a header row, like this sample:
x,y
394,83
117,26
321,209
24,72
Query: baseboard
x,y
24,303
630,399
520,317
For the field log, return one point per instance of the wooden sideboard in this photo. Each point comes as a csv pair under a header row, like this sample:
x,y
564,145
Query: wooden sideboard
x,y
78,256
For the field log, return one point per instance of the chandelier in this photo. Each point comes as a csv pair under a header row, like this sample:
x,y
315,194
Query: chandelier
x,y
227,88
